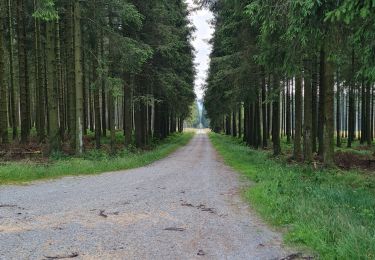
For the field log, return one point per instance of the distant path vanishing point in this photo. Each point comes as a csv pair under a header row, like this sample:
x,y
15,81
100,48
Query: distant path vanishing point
x,y
186,206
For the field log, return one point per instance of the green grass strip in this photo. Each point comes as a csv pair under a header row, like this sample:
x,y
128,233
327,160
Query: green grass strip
x,y
92,162
331,212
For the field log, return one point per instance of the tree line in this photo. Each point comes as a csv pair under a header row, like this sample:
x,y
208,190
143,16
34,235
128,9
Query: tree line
x,y
68,67
303,70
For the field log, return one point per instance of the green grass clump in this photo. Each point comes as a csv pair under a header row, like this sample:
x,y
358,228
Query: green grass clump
x,y
92,162
331,212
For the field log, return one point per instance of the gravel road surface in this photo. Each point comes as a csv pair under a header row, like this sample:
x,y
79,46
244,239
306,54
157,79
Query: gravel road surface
x,y
186,206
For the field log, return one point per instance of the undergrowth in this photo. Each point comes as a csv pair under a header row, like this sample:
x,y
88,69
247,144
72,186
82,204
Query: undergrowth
x,y
91,162
331,212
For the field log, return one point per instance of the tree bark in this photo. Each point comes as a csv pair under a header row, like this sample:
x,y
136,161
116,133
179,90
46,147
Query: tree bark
x,y
11,90
368,114
78,77
314,104
288,120
127,113
53,123
234,124
321,103
23,72
3,88
307,136
264,111
297,154
96,101
276,118
351,124
71,73
338,112
328,155
104,110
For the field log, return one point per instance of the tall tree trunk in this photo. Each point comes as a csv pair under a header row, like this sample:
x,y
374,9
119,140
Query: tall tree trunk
x,y
276,117
23,72
240,120
53,123
11,90
298,128
269,109
96,101
111,115
351,123
264,111
37,77
128,126
328,82
257,122
246,122
78,77
307,136
227,125
234,124
60,86
363,112
85,93
41,108
288,120
368,113
3,88
71,73
314,104
338,112
104,111
321,103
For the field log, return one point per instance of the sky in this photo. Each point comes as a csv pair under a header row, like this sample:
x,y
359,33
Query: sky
x,y
201,20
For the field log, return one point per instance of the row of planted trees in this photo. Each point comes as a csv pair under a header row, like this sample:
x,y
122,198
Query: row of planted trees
x,y
68,67
302,69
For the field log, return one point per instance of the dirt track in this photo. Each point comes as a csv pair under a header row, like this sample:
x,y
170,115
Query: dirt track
x,y
186,206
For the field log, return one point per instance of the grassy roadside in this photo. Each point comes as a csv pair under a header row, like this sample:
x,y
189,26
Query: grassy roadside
x,y
89,163
329,211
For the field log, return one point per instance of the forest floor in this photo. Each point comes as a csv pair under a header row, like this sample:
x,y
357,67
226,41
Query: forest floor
x,y
331,212
32,164
358,157
186,206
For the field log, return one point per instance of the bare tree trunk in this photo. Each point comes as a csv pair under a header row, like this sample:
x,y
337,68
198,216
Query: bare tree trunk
x,y
3,88
71,73
328,156
60,88
288,121
12,95
53,123
314,104
368,114
23,72
276,118
298,128
78,77
338,112
104,110
240,120
127,113
264,110
351,123
234,124
307,137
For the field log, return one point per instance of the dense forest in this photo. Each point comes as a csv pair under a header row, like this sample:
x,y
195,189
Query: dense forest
x,y
69,68
300,70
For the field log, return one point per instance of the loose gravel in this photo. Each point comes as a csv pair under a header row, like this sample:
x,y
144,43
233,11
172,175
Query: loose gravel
x,y
186,206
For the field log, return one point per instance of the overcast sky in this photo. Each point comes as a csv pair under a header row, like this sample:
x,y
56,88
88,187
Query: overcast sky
x,y
201,20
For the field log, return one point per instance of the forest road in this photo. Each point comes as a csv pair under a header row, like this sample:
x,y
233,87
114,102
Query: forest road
x,y
186,206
